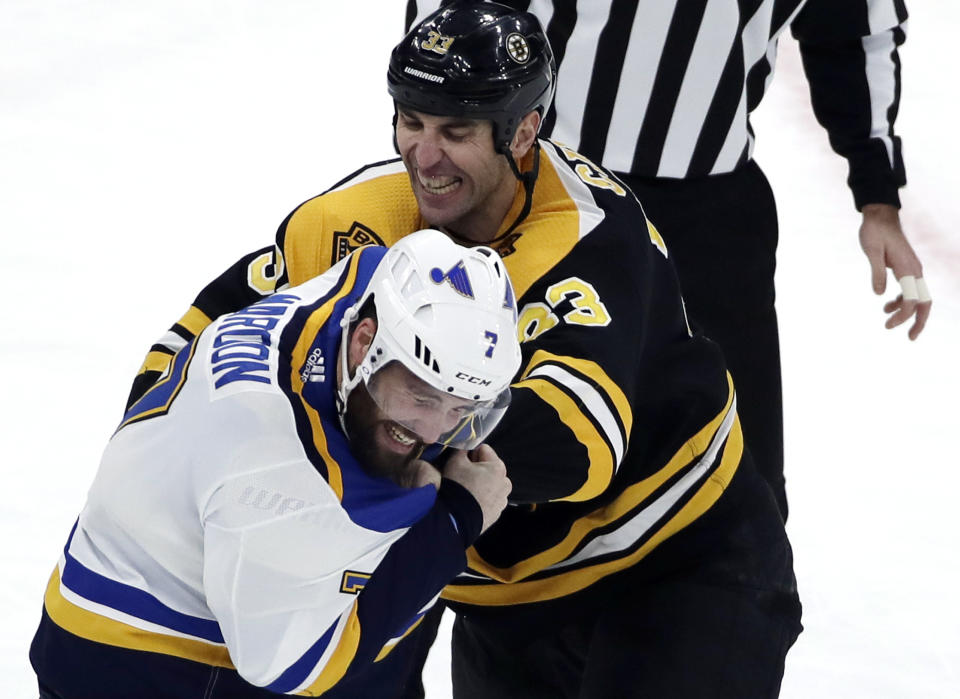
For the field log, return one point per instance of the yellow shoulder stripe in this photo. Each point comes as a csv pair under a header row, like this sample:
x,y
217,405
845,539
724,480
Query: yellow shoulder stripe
x,y
548,233
94,627
195,320
595,372
156,361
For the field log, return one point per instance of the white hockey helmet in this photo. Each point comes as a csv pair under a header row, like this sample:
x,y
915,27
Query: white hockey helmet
x,y
448,314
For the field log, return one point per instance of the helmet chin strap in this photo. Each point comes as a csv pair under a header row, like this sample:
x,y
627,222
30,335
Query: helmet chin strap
x,y
528,180
345,383
396,144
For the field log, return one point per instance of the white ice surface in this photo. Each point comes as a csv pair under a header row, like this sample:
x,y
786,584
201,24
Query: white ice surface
x,y
146,146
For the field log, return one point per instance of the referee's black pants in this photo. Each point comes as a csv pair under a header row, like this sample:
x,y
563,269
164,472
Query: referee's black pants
x,y
721,232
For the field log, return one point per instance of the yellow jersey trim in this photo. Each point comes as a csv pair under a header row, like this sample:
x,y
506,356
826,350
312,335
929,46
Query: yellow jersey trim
x,y
161,409
298,358
343,655
383,204
195,320
101,629
596,373
599,454
554,217
385,651
520,591
156,361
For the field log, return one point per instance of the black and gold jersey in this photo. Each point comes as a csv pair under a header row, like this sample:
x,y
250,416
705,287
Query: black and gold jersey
x,y
623,426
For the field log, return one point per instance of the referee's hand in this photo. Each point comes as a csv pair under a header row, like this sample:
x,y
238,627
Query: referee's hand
x,y
885,244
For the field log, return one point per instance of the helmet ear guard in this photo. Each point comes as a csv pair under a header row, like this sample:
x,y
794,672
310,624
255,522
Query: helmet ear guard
x,y
475,60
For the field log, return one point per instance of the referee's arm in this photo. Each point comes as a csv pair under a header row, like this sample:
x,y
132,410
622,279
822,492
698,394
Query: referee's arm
x,y
849,52
850,55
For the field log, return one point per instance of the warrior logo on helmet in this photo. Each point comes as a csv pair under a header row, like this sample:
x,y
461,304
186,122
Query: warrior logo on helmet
x,y
517,48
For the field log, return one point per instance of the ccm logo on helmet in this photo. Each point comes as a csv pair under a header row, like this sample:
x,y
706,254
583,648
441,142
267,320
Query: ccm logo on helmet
x,y
475,380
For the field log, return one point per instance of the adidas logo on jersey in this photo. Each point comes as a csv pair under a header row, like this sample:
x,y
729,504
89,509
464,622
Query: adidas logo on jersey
x,y
313,370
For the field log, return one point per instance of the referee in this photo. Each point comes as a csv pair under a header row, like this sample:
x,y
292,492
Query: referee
x,y
661,91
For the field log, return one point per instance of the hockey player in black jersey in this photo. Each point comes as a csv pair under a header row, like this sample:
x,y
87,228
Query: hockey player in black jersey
x,y
664,98
642,555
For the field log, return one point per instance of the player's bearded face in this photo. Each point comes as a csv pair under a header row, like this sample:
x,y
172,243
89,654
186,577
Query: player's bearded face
x,y
390,419
460,182
383,447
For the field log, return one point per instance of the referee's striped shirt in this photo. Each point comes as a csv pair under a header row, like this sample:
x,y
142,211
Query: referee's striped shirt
x,y
664,88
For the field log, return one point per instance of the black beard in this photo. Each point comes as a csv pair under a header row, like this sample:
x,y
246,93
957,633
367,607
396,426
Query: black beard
x,y
362,422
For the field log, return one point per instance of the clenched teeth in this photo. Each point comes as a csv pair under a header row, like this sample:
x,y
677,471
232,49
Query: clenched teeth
x,y
438,185
400,436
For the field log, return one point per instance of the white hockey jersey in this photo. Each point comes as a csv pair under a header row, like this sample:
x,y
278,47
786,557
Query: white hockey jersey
x,y
229,524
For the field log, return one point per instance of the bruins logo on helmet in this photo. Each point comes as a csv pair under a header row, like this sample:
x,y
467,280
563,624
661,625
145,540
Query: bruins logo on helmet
x,y
345,242
517,48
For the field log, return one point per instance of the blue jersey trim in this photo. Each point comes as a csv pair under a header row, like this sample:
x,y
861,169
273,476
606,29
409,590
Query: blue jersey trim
x,y
131,600
328,335
377,504
413,622
158,399
294,675
374,503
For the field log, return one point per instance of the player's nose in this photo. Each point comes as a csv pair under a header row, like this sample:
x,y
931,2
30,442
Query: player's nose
x,y
428,152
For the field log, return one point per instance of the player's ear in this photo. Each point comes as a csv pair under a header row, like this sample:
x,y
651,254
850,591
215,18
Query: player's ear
x,y
525,135
360,340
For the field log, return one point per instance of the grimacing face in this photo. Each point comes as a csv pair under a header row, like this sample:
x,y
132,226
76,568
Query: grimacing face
x,y
390,420
461,183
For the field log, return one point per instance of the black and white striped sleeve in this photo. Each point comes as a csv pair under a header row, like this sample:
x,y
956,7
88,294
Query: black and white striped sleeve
x,y
849,52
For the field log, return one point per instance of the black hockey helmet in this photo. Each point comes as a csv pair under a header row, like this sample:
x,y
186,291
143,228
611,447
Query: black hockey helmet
x,y
480,60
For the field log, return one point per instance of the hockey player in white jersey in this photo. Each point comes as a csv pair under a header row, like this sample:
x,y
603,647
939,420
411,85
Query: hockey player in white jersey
x,y
265,519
